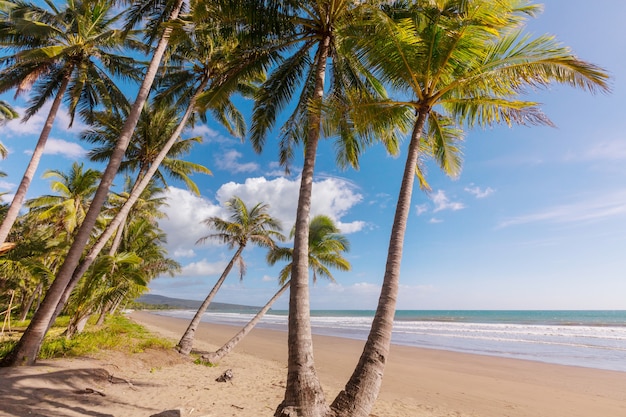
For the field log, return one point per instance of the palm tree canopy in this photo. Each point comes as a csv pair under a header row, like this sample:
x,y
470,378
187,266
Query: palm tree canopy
x,y
79,40
326,245
74,191
308,26
156,125
244,225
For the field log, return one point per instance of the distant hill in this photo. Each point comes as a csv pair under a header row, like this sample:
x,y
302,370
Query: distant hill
x,y
159,302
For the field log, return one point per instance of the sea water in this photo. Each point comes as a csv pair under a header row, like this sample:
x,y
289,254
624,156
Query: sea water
x,y
595,339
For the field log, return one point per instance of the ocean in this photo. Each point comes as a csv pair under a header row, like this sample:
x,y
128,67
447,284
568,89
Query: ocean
x,y
594,339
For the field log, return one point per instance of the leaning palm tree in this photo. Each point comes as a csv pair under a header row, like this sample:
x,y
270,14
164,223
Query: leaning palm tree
x,y
454,63
26,350
246,225
64,53
326,245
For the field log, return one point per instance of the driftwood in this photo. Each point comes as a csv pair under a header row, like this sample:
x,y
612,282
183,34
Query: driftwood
x,y
226,376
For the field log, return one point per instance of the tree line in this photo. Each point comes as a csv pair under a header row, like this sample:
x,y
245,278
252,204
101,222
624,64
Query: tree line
x,y
360,73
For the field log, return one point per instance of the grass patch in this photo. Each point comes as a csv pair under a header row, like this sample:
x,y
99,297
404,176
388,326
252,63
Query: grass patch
x,y
118,333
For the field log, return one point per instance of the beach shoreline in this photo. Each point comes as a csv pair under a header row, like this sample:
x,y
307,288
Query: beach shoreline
x,y
418,382
480,385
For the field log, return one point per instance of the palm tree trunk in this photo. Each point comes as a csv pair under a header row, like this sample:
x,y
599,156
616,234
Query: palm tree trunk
x,y
358,397
26,350
303,394
185,344
230,345
29,303
117,223
16,205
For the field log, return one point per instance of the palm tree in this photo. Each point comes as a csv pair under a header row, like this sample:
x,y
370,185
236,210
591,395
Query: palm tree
x,y
312,40
454,63
65,53
246,225
6,113
74,191
156,126
325,247
26,350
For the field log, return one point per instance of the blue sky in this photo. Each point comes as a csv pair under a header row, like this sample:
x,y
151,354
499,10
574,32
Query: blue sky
x,y
537,219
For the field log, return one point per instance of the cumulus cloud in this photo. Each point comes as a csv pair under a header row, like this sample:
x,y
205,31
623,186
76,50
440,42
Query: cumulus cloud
x,y
185,212
442,202
203,268
229,161
34,125
64,148
435,220
5,185
331,196
479,192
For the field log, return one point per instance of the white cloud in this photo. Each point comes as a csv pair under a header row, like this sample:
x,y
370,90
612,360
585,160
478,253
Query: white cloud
x,y
601,208
203,268
5,185
267,278
442,202
228,161
67,149
185,212
34,125
435,220
421,209
332,197
477,192
184,253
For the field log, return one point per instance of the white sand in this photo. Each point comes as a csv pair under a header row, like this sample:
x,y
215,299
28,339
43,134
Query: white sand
x,y
417,383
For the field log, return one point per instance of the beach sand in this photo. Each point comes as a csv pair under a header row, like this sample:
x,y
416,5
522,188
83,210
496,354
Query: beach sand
x,y
417,382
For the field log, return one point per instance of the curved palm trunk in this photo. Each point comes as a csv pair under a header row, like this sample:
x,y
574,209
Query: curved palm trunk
x,y
361,391
16,205
26,350
230,345
185,344
29,302
117,223
303,394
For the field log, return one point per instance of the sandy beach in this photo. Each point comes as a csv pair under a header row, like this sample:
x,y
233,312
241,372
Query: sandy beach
x,y
417,383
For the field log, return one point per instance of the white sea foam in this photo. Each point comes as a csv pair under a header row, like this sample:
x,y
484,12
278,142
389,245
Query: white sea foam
x,y
582,345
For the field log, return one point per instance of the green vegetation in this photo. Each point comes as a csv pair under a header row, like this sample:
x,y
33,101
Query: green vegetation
x,y
118,333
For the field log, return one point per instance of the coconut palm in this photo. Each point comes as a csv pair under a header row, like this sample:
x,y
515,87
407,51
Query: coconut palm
x,y
454,63
63,53
246,225
326,245
68,207
26,350
312,46
156,125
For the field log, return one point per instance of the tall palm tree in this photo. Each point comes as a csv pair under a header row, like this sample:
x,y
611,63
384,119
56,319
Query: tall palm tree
x,y
65,53
26,350
454,63
246,225
326,245
312,47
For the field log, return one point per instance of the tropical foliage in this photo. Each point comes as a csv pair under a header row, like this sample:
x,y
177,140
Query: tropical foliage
x,y
358,72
